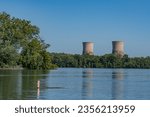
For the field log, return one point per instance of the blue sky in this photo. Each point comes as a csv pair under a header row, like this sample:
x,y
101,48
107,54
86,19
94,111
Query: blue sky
x,y
65,24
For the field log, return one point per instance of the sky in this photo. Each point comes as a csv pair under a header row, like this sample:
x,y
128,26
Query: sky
x,y
65,24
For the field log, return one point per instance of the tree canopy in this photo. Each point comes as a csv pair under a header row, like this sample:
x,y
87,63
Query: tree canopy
x,y
21,45
104,61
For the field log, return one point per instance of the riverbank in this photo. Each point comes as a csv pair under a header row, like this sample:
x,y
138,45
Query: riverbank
x,y
12,68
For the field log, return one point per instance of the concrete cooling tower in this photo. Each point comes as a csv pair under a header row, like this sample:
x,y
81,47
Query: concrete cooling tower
x,y
118,48
88,48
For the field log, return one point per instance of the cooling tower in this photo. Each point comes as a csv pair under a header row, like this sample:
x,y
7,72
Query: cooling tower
x,y
118,48
88,48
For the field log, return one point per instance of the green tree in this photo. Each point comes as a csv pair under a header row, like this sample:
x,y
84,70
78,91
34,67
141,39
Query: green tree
x,y
20,39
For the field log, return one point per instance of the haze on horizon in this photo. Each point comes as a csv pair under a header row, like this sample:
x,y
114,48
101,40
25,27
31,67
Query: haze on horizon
x,y
65,24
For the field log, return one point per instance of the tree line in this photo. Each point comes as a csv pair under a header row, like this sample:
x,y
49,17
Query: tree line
x,y
21,45
104,61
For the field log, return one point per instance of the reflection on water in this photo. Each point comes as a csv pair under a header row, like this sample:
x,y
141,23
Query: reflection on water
x,y
117,84
75,83
38,89
87,87
30,80
10,84
20,84
38,93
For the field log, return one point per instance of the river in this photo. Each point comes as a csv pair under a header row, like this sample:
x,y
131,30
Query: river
x,y
75,84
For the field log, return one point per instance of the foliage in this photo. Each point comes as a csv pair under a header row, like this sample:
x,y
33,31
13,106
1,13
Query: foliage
x,y
105,61
20,44
8,56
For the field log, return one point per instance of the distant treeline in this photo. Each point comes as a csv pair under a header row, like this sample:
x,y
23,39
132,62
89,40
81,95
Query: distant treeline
x,y
104,61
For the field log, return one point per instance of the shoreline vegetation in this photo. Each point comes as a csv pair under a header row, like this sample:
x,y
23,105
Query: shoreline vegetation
x,y
104,61
21,47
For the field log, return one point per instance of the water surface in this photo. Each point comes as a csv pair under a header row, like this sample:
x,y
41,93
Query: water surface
x,y
76,84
